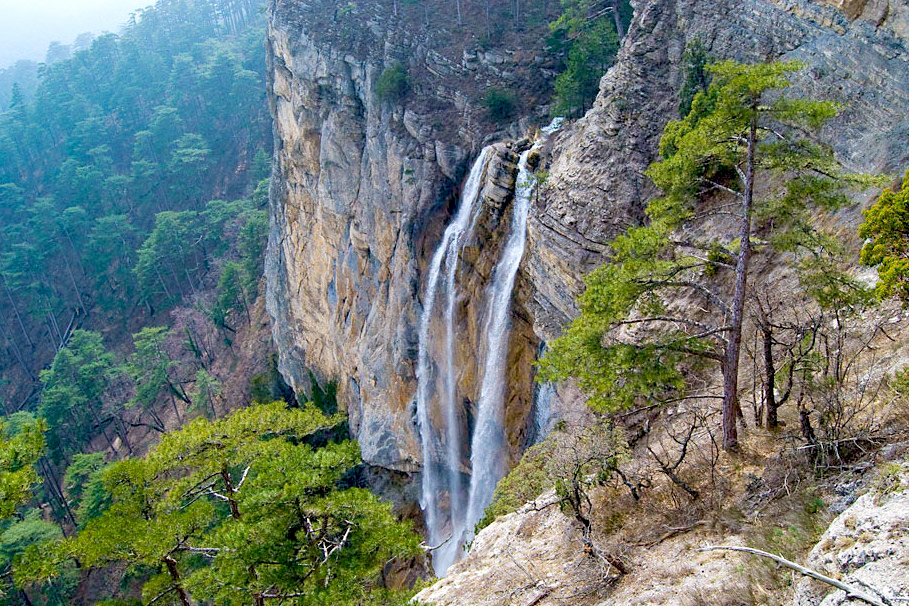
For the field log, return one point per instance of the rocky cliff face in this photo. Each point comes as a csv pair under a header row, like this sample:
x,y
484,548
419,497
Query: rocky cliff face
x,y
363,188
597,187
535,557
361,193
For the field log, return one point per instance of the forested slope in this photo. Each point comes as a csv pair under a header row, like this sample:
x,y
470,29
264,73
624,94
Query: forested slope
x,y
133,181
164,117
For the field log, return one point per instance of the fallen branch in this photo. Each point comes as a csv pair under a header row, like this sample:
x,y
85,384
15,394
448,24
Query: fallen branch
x,y
430,548
851,592
671,532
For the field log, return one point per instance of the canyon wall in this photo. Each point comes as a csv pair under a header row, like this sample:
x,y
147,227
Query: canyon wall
x,y
363,188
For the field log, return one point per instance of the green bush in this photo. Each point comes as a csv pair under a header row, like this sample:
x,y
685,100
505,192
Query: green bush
x,y
697,78
393,84
589,48
572,460
500,103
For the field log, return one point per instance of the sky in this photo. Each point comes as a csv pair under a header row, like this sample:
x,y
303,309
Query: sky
x,y
28,26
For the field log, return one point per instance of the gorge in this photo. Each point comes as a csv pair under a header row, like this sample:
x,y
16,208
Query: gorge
x,y
319,302
366,210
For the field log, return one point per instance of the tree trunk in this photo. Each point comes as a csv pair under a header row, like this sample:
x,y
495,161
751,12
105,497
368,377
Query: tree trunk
x,y
807,429
171,565
770,406
617,17
17,352
54,490
16,312
231,493
734,346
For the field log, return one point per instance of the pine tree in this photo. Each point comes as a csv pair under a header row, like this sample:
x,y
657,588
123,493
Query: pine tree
x,y
633,340
886,234
240,511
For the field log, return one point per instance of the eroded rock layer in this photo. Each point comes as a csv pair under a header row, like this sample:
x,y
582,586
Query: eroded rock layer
x,y
363,188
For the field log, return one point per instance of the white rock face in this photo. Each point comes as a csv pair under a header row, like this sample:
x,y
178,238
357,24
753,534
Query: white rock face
x,y
866,546
533,556
361,192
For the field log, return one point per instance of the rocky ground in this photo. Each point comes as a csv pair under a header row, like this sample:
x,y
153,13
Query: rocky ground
x,y
534,557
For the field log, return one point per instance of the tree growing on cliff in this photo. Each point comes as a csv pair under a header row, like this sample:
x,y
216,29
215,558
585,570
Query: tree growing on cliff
x,y
393,83
886,234
589,33
673,295
73,392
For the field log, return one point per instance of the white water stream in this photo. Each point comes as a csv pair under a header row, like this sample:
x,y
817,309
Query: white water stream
x,y
448,534
440,476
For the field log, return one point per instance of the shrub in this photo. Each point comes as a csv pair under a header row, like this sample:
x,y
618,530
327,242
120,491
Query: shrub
x,y
572,460
500,103
393,84
697,78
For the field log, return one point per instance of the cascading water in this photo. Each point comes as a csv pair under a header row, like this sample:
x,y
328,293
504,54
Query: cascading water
x,y
488,445
439,476
448,534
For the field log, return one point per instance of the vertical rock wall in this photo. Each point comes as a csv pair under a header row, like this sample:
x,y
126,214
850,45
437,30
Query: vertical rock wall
x,y
362,190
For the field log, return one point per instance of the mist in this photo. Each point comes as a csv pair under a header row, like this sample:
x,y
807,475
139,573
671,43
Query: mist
x,y
28,26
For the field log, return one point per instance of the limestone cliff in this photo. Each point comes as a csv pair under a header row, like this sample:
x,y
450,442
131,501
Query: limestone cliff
x,y
362,191
597,186
363,188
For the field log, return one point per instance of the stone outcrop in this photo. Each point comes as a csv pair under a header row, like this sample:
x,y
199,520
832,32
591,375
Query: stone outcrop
x,y
535,556
363,189
597,186
866,546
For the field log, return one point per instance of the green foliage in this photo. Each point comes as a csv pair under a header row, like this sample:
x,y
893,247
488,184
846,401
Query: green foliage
x,y
590,45
499,103
95,499
229,510
154,120
591,54
79,474
697,78
571,461
152,368
886,234
73,392
170,255
325,399
526,481
269,386
19,535
206,390
19,452
630,344
393,83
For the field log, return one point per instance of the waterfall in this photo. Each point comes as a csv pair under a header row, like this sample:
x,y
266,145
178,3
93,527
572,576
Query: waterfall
x,y
440,476
443,454
544,394
488,446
